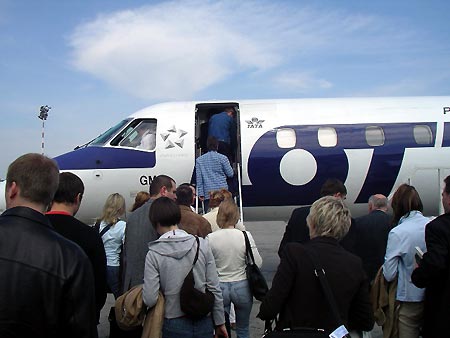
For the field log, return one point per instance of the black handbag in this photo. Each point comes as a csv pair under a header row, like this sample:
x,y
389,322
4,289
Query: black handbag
x,y
311,332
256,280
194,303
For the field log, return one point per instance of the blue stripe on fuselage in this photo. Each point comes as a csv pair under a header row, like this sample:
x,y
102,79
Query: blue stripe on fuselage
x,y
105,158
269,188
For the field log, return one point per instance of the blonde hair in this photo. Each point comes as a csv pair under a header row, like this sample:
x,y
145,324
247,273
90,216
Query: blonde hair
x,y
329,217
228,214
140,199
114,208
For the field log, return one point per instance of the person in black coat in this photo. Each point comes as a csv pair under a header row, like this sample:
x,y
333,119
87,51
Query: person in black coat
x,y
433,272
65,205
296,294
46,284
297,229
372,232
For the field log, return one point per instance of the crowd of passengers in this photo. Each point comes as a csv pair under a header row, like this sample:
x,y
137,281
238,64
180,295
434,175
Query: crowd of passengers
x,y
391,265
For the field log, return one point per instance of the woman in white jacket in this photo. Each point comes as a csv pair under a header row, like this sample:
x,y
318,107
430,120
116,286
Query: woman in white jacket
x,y
228,248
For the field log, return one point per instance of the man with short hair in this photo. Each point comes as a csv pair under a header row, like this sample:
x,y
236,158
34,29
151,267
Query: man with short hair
x,y
66,204
139,232
191,222
212,170
371,233
297,230
433,272
46,284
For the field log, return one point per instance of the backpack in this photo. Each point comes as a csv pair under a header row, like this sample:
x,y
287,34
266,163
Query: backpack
x,y
194,303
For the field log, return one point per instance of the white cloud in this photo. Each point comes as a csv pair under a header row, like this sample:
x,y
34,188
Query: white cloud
x,y
176,49
301,82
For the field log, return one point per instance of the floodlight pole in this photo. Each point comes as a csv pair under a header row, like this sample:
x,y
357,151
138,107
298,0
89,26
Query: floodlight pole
x,y
43,115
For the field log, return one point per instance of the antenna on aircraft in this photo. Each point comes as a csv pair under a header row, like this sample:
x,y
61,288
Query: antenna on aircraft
x,y
43,115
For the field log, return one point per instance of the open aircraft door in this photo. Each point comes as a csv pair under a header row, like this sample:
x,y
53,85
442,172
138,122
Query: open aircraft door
x,y
203,113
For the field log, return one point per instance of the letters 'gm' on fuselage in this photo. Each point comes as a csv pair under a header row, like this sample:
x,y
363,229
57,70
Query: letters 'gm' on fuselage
x,y
285,150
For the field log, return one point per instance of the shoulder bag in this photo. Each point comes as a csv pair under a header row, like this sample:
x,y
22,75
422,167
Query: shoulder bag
x,y
256,280
340,332
194,303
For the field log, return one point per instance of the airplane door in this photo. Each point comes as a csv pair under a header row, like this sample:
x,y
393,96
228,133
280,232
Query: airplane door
x,y
204,111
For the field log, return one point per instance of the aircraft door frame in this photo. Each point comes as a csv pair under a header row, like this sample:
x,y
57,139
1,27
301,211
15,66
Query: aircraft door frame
x,y
203,113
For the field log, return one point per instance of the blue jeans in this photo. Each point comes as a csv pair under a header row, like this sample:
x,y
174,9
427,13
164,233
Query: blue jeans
x,y
239,294
187,328
113,280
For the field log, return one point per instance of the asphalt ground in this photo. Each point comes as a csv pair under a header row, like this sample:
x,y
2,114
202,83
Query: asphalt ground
x,y
267,236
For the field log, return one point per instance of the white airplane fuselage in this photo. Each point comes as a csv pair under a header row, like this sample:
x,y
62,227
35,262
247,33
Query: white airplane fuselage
x,y
285,150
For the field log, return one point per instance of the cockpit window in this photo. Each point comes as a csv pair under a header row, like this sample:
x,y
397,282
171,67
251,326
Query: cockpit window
x,y
140,134
103,138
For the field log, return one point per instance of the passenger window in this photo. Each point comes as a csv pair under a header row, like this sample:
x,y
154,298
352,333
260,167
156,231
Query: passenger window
x,y
141,134
374,136
327,137
286,138
423,134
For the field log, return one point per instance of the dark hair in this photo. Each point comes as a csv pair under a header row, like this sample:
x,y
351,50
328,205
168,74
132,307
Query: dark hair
x,y
164,212
70,185
160,181
405,199
184,195
333,186
36,175
212,143
447,184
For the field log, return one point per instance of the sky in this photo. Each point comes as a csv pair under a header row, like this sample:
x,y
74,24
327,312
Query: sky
x,y
95,62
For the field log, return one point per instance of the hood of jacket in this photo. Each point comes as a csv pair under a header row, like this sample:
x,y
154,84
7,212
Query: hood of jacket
x,y
176,246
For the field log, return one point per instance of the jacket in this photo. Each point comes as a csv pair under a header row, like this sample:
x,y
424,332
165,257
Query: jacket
x,y
296,294
372,233
89,240
47,285
168,261
433,274
138,233
296,230
193,223
385,306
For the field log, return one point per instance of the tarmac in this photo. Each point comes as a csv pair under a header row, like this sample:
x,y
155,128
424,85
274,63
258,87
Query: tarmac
x,y
267,236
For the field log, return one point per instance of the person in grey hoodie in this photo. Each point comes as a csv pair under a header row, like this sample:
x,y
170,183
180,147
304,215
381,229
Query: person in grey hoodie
x,y
168,261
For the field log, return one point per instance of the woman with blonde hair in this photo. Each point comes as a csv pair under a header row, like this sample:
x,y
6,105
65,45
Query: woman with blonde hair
x,y
229,251
112,232
140,199
217,197
296,294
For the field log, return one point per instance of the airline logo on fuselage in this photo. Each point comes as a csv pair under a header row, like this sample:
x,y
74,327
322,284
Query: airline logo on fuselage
x,y
254,123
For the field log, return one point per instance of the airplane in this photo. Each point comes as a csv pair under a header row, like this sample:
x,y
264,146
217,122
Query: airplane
x,y
285,150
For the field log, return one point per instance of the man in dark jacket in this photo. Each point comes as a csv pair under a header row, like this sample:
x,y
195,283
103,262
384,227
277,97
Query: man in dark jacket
x,y
372,232
46,288
296,229
433,272
65,205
